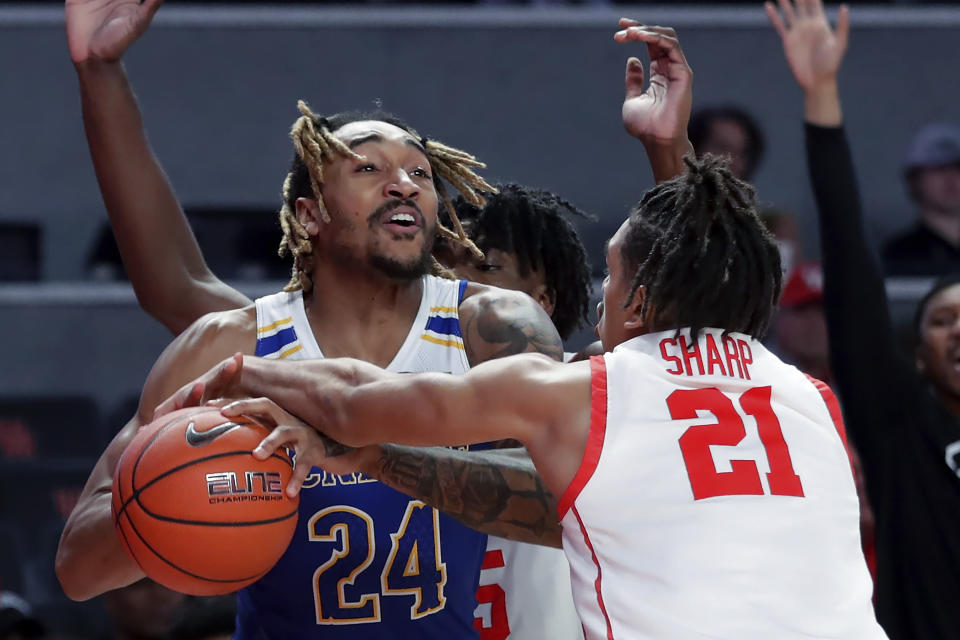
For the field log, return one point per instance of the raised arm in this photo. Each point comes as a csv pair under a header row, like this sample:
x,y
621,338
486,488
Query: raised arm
x,y
171,279
858,320
90,558
658,115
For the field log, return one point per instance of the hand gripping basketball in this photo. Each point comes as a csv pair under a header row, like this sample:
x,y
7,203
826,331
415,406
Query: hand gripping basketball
x,y
222,381
195,509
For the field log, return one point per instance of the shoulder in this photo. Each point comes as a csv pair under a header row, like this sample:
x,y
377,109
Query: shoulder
x,y
481,296
233,328
209,340
498,322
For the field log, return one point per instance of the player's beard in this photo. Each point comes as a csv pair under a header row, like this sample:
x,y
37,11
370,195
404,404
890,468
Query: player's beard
x,y
411,268
404,270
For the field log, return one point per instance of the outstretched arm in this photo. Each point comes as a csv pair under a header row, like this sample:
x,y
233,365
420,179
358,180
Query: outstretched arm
x,y
358,404
497,492
858,321
171,279
542,403
658,115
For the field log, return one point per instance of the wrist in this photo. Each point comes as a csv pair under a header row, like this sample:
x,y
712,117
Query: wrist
x,y
666,156
95,67
821,104
666,145
247,384
371,460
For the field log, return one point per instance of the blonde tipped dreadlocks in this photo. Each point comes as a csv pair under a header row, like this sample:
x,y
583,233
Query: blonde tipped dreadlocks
x,y
315,144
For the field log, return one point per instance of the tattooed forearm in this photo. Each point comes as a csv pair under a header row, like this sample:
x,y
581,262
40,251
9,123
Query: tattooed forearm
x,y
495,492
332,448
505,325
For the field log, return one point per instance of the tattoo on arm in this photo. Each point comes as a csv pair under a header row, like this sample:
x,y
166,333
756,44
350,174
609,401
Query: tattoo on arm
x,y
332,448
505,326
494,492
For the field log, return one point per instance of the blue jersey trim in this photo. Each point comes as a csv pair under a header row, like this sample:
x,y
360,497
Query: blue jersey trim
x,y
272,344
444,326
463,289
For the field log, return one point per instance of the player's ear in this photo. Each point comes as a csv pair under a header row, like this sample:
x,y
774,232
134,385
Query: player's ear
x,y
545,297
308,213
634,318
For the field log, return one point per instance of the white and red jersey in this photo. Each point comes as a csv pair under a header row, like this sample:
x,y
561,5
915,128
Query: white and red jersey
x,y
715,499
525,591
525,594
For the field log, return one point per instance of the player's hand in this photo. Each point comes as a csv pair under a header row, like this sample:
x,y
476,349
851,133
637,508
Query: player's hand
x,y
661,112
814,51
101,30
220,382
313,449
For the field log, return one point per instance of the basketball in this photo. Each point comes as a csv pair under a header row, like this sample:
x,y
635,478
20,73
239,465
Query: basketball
x,y
193,507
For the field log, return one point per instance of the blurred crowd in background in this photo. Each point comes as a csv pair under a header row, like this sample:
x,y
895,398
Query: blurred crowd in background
x,y
241,245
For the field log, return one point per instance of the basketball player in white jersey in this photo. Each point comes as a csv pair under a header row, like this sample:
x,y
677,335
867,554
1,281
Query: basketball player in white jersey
x,y
705,487
174,284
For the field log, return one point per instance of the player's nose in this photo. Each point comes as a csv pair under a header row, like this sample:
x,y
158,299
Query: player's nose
x,y
401,186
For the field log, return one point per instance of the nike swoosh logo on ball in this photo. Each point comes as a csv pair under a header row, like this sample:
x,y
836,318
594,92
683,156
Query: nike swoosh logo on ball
x,y
199,438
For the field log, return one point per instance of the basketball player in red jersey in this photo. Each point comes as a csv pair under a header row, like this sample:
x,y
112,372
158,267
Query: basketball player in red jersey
x,y
705,486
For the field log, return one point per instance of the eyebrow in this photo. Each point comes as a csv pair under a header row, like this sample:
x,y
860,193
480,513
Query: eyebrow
x,y
376,137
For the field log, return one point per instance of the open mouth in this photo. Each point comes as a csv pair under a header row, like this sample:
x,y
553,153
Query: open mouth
x,y
402,219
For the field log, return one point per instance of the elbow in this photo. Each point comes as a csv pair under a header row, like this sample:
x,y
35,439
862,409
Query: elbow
x,y
71,577
163,311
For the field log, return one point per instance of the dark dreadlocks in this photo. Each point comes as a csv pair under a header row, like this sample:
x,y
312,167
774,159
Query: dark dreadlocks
x,y
530,224
702,254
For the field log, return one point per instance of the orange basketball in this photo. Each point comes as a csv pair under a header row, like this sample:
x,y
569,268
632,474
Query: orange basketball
x,y
193,507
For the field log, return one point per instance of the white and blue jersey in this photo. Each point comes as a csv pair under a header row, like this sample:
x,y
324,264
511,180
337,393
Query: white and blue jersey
x,y
367,561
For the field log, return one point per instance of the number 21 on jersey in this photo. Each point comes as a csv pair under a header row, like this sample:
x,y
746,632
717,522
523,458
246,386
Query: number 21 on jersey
x,y
729,430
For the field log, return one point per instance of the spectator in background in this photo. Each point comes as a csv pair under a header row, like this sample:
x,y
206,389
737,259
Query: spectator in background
x,y
904,425
785,233
143,610
931,169
799,327
728,131
731,131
